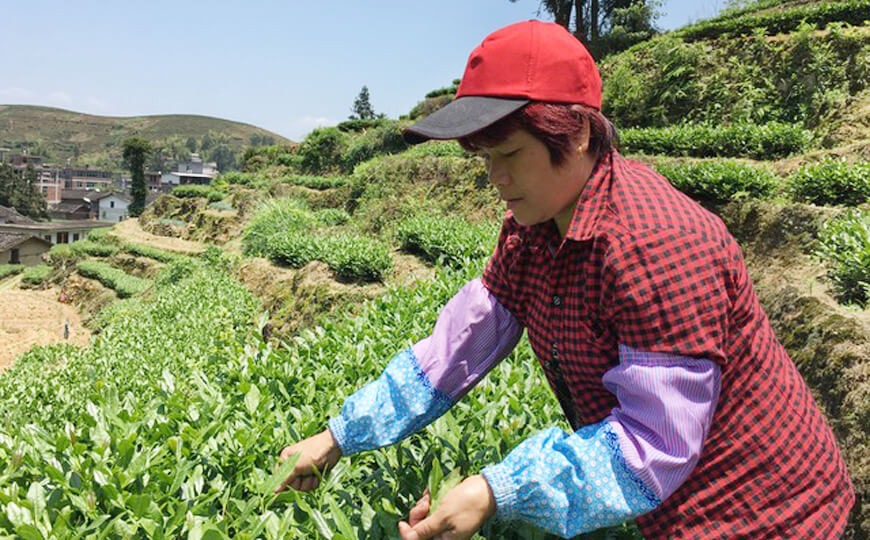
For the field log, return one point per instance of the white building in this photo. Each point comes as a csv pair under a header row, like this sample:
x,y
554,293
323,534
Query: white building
x,y
110,207
192,171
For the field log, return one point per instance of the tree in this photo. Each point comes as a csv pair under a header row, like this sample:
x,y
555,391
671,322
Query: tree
x,y
135,152
605,26
191,144
18,190
362,107
224,157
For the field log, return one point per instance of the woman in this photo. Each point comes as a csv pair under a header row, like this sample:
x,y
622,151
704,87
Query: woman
x,y
687,413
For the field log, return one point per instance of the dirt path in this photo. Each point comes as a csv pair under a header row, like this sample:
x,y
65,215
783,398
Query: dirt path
x,y
29,318
130,231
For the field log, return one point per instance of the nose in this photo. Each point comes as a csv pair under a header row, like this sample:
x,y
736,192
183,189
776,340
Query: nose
x,y
498,173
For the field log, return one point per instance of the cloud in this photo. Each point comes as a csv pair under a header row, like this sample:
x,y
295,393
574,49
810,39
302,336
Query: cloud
x,y
15,94
59,96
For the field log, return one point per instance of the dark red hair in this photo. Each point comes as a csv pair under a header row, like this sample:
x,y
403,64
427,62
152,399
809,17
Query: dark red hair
x,y
554,124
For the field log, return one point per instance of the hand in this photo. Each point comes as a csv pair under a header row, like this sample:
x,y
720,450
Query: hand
x,y
462,512
319,452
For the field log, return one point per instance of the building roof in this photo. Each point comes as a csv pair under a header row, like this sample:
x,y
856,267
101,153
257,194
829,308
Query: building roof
x,y
11,215
197,175
8,240
70,205
58,225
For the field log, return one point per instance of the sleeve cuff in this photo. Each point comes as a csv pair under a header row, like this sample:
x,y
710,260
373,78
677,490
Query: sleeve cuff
x,y
337,428
504,490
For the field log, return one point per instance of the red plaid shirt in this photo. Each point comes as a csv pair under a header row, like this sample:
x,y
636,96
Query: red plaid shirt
x,y
645,266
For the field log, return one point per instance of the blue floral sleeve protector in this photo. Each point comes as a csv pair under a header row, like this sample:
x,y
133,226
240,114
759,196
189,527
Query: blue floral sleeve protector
x,y
563,483
567,484
398,403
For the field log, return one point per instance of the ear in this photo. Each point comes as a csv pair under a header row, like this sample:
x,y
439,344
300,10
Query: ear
x,y
581,139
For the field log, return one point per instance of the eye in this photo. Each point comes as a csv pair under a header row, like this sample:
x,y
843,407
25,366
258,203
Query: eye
x,y
512,153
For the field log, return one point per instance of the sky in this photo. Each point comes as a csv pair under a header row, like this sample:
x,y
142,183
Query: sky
x,y
286,66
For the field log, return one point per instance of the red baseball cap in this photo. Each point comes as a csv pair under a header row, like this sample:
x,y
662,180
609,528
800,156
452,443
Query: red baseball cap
x,y
523,62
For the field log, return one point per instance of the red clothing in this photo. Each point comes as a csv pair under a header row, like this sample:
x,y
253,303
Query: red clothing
x,y
645,266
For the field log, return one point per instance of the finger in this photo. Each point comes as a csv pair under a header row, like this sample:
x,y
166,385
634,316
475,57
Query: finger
x,y
419,512
406,532
429,527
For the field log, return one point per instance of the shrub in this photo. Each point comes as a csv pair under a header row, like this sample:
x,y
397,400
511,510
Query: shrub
x,y
175,271
152,253
123,284
322,150
429,106
444,238
36,275
852,11
194,190
768,141
101,235
91,248
221,205
332,216
717,182
234,177
315,181
355,257
60,254
384,139
274,217
294,247
360,124
844,245
7,270
437,149
831,182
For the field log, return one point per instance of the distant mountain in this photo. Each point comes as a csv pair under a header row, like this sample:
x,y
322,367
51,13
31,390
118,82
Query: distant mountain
x,y
96,140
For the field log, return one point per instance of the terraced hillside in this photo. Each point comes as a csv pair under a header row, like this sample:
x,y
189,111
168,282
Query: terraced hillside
x,y
323,261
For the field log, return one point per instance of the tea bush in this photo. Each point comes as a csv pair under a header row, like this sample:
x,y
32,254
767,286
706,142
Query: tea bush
x,y
273,217
7,270
821,13
437,149
355,257
331,216
194,190
322,150
315,181
844,245
452,240
717,182
384,139
92,248
36,275
768,141
831,182
157,254
124,284
295,248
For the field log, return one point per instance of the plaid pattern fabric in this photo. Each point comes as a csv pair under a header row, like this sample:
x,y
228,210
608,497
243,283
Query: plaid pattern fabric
x,y
645,266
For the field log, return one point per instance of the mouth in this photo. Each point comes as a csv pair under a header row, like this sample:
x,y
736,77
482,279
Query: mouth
x,y
511,203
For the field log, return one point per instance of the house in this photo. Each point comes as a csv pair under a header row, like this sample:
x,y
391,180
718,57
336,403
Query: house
x,y
55,232
109,207
192,171
22,248
74,204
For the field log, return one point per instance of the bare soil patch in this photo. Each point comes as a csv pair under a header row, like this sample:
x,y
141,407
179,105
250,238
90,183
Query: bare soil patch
x,y
31,317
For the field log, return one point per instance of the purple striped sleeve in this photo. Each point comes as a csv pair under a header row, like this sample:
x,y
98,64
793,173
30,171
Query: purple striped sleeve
x,y
472,334
666,406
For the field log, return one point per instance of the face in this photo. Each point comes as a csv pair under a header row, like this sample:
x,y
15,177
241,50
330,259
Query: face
x,y
532,187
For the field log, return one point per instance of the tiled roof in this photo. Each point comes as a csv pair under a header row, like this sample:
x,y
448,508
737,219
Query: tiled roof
x,y
10,215
9,240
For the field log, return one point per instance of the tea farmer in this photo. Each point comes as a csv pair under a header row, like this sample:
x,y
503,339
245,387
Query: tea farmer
x,y
687,414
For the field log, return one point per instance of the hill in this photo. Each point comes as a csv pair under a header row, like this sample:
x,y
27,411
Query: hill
x,y
97,140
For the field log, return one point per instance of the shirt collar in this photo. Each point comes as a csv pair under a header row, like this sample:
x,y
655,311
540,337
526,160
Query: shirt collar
x,y
594,200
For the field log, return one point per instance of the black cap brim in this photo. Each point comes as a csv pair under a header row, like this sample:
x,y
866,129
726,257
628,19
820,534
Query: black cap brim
x,y
461,117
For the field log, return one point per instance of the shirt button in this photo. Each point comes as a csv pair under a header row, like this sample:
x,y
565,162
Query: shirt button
x,y
557,300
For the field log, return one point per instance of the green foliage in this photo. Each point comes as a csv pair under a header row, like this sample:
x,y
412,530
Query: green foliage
x,y
450,240
194,190
322,150
844,245
355,257
272,218
332,216
429,105
135,152
384,139
222,206
314,181
19,191
123,284
437,149
152,253
284,231
36,275
802,78
360,124
91,248
817,13
362,106
102,236
720,181
7,270
446,91
768,141
831,182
